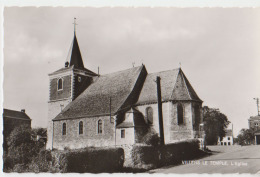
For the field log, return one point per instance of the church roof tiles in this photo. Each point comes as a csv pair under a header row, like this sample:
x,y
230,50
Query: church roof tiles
x,y
121,87
174,86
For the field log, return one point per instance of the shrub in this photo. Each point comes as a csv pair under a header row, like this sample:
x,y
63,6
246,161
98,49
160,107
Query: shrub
x,y
94,160
148,157
151,138
145,157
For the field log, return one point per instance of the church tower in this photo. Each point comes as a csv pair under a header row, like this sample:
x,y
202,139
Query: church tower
x,y
66,84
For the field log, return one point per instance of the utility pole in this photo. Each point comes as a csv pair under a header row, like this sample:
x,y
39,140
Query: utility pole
x,y
160,116
257,104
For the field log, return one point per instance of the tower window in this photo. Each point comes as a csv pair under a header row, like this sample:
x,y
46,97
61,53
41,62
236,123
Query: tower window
x,y
64,129
79,79
60,84
180,114
122,133
80,127
99,127
149,115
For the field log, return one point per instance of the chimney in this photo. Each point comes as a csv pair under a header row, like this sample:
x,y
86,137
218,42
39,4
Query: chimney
x,y
66,64
160,116
23,110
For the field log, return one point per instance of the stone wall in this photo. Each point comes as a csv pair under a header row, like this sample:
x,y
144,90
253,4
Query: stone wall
x,y
90,136
54,108
183,131
129,136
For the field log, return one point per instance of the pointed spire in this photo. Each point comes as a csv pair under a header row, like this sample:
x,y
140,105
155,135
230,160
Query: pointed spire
x,y
74,57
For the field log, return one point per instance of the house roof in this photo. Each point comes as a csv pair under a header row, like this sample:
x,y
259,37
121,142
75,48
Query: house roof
x,y
254,118
174,86
229,132
95,101
15,114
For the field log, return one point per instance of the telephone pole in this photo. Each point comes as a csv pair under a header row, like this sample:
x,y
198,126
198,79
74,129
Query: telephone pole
x,y
257,104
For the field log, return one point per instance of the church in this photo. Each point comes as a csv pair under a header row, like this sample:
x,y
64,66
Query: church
x,y
86,109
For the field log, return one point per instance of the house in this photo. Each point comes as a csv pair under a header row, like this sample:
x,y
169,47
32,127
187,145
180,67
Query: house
x,y
13,119
120,108
228,139
254,124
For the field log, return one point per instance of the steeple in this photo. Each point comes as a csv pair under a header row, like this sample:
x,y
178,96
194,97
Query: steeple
x,y
74,57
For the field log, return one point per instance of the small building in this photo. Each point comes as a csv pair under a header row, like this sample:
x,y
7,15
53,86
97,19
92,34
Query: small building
x,y
13,119
227,140
254,124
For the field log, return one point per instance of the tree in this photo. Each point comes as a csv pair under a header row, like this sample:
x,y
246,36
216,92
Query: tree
x,y
215,124
245,137
21,147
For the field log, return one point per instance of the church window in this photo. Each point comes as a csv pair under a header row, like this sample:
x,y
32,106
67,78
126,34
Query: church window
x,y
79,79
149,115
122,133
64,129
99,127
228,138
180,114
60,84
80,127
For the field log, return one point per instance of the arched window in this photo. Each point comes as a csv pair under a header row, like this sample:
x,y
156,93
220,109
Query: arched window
x,y
60,84
64,129
99,127
180,114
80,127
149,115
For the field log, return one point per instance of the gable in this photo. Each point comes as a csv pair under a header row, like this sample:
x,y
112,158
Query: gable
x,y
174,86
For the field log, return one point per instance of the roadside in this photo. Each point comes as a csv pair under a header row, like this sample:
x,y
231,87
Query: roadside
x,y
225,159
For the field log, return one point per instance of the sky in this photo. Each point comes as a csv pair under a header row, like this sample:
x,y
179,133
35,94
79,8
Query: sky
x,y
217,49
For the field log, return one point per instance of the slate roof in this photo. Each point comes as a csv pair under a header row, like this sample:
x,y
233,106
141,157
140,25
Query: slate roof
x,y
229,132
174,86
137,122
15,114
74,57
72,68
75,60
95,100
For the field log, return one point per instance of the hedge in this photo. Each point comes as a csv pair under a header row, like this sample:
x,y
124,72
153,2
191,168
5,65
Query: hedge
x,y
149,157
92,160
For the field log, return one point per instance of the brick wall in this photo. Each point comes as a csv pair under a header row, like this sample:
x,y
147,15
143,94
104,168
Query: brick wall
x,y
56,94
80,83
90,136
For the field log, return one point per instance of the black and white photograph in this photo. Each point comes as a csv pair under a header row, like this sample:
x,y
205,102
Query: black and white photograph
x,y
154,90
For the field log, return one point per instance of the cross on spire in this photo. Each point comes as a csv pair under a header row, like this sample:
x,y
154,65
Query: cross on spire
x,y
75,25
